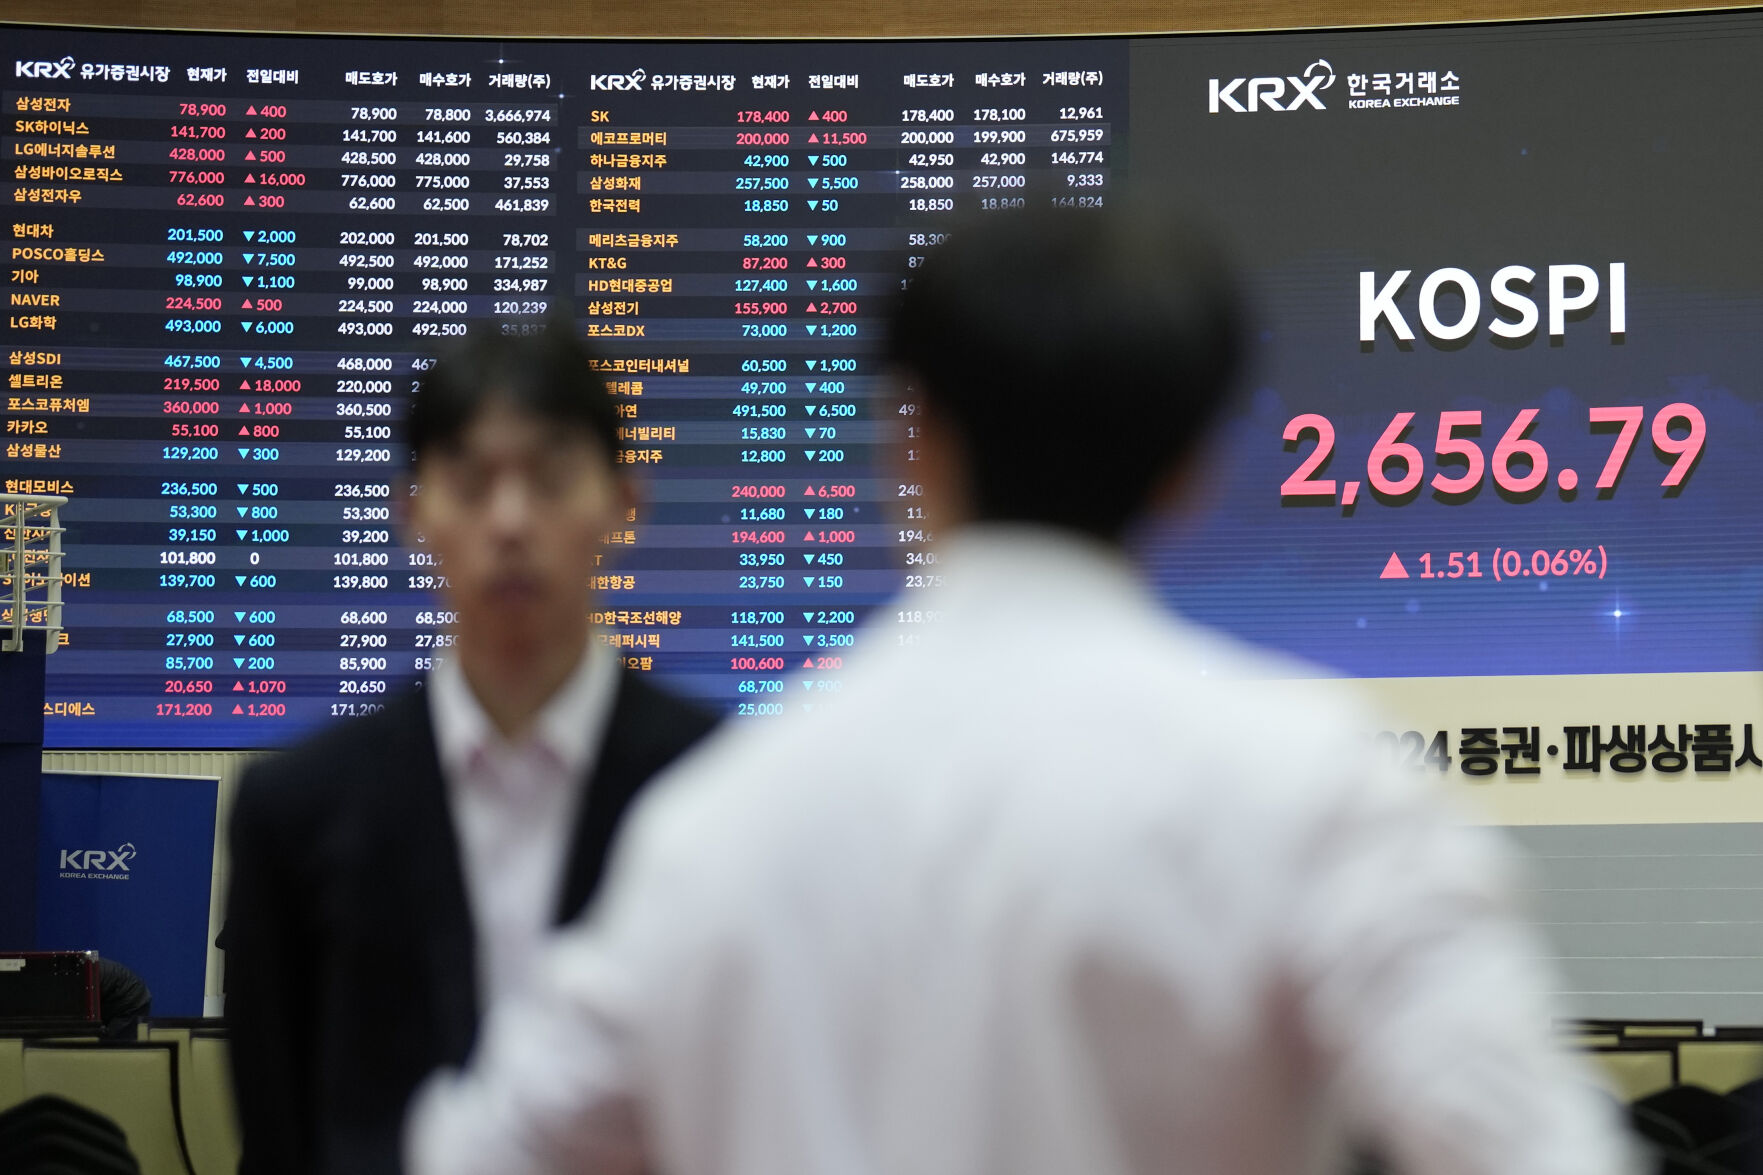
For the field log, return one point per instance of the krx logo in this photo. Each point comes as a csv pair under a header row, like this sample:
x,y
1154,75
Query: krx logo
x,y
44,69
1270,93
618,81
97,860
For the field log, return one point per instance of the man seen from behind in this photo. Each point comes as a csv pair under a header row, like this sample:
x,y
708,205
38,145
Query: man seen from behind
x,y
1062,883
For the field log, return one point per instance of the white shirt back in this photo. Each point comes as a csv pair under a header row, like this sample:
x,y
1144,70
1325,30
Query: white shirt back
x,y
1068,887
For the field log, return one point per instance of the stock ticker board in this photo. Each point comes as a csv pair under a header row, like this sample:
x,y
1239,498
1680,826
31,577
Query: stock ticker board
x,y
1505,278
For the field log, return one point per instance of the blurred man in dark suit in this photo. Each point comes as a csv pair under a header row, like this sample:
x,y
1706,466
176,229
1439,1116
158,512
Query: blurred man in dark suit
x,y
396,873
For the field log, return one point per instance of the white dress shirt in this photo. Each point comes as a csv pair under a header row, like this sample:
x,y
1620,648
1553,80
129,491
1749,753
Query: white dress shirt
x,y
1071,888
514,807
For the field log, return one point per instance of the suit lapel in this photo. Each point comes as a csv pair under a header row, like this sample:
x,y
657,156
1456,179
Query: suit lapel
x,y
614,776
436,899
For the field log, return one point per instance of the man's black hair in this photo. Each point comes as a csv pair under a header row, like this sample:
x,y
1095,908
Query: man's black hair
x,y
1078,354
549,375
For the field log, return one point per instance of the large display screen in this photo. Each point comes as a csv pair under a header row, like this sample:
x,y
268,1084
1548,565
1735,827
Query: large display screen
x,y
1502,418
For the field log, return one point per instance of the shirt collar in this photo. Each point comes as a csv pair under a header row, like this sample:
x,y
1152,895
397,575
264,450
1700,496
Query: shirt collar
x,y
569,727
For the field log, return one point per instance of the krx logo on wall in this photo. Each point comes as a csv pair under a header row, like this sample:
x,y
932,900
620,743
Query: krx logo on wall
x,y
1246,94
97,864
1392,89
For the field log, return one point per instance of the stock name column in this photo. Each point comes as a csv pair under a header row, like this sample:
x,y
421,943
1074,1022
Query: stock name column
x,y
96,409
617,273
55,161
